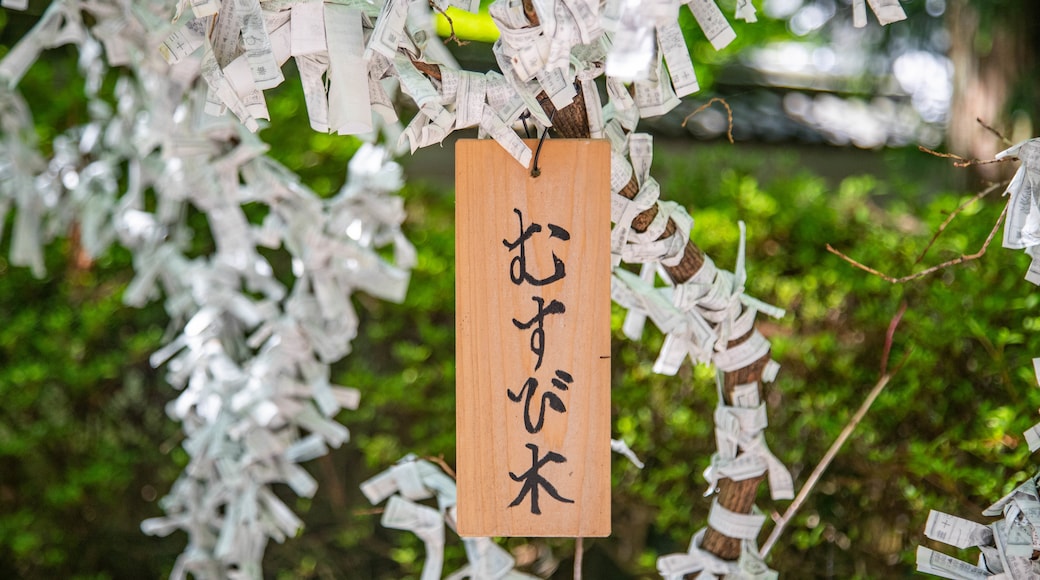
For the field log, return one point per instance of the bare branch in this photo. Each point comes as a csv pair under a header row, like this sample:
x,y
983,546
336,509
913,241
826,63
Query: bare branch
x,y
890,336
729,115
958,260
955,213
938,154
451,25
999,135
439,460
579,555
832,452
964,161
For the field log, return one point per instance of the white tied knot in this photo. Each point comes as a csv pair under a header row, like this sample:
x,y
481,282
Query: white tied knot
x,y
743,452
412,480
748,567
733,524
626,244
699,317
1007,545
426,523
676,566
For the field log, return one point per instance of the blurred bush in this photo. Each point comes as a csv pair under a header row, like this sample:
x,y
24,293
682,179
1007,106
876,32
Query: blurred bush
x,y
85,446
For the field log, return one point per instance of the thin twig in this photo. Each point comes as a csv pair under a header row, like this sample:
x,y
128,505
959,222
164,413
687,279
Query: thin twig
x,y
938,154
958,260
439,460
167,446
1007,159
828,457
579,554
729,115
890,336
964,161
999,135
451,25
954,214
369,512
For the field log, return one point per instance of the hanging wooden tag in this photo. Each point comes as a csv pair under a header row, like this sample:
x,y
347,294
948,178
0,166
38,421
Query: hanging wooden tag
x,y
533,340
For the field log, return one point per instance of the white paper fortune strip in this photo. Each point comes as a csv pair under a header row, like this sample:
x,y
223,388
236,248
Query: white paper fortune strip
x,y
1022,228
1007,545
412,480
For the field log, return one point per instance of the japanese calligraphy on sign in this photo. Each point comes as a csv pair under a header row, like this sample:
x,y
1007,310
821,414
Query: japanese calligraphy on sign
x,y
533,340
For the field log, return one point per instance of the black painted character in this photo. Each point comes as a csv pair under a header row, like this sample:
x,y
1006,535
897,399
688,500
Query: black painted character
x,y
548,398
538,335
533,480
518,266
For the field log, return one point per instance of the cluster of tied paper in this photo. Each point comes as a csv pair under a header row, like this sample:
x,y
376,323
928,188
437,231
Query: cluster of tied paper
x,y
1022,228
251,354
1008,546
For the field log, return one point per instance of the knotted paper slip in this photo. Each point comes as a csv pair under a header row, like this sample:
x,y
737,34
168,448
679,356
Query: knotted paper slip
x,y
533,340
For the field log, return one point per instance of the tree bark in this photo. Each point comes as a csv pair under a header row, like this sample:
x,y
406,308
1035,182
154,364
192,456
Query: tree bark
x,y
736,496
993,56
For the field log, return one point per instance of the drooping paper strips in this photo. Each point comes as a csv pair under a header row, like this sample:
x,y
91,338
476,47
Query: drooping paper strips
x,y
413,480
249,353
1022,228
533,341
1008,547
257,397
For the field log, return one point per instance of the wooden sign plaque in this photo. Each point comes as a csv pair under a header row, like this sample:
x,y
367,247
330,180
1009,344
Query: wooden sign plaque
x,y
533,340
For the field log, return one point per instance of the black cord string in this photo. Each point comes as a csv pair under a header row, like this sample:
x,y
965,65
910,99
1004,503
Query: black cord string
x,y
535,172
524,117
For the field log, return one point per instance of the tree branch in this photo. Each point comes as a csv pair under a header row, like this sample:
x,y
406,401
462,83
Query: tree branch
x,y
955,213
828,457
999,135
451,25
964,161
958,260
439,460
846,432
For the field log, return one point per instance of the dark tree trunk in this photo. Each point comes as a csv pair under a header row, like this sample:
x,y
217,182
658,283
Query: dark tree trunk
x,y
993,52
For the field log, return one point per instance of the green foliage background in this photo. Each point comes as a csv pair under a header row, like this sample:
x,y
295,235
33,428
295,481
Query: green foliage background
x,y
86,450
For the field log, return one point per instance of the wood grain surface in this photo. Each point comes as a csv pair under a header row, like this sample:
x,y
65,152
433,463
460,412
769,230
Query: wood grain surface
x,y
514,441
